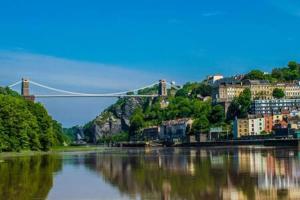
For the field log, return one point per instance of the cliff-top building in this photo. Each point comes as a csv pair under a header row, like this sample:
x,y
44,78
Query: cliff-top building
x,y
225,90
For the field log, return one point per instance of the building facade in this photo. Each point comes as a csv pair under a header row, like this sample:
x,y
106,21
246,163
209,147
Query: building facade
x,y
151,133
241,128
260,89
274,106
175,130
292,90
256,125
268,123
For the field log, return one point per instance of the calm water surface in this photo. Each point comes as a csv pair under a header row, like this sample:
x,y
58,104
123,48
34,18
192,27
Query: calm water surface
x,y
170,173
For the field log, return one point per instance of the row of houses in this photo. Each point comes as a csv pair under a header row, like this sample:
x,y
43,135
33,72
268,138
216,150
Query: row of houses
x,y
275,106
225,90
255,125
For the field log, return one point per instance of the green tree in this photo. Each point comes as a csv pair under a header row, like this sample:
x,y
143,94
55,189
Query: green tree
x,y
293,65
233,110
46,135
25,124
244,101
240,106
255,75
19,129
289,73
182,93
203,89
277,74
136,121
278,93
200,125
217,115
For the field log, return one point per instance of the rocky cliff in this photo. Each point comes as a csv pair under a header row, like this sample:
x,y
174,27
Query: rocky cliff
x,y
113,120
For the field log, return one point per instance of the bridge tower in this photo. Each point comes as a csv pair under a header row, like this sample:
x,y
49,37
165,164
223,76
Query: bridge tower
x,y
25,90
162,88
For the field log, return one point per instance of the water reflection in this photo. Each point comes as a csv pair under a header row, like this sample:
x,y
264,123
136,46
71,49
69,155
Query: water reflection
x,y
27,177
172,173
238,173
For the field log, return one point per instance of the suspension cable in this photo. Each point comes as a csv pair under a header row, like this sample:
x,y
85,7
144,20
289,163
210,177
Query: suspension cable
x,y
14,84
86,94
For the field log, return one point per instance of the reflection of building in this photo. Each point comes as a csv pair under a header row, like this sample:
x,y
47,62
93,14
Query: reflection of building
x,y
234,173
272,173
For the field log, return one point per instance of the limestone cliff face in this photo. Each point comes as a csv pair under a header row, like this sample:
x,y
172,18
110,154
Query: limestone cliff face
x,y
114,119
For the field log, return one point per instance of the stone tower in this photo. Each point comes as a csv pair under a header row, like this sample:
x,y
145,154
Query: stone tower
x,y
25,90
25,87
162,90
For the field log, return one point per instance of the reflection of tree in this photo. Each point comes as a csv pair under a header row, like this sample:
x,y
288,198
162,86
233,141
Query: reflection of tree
x,y
28,177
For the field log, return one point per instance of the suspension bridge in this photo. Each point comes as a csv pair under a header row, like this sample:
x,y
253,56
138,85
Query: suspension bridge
x,y
60,93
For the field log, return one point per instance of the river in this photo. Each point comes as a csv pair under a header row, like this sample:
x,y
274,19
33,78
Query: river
x,y
154,173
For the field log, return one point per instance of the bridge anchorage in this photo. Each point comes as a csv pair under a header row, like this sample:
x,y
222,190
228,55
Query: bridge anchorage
x,y
25,91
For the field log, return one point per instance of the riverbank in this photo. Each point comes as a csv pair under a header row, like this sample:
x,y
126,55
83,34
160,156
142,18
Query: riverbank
x,y
262,142
57,149
292,142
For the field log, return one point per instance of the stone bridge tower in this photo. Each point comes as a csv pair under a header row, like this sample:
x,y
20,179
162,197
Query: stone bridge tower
x,y
162,88
25,90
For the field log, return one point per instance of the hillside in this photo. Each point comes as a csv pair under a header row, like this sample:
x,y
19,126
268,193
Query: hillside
x,y
131,115
25,125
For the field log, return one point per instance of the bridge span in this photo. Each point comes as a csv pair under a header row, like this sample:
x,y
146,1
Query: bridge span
x,y
25,91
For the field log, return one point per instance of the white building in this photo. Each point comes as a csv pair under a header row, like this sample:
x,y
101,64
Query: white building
x,y
256,125
212,79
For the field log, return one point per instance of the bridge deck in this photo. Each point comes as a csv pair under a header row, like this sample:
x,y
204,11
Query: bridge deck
x,y
76,96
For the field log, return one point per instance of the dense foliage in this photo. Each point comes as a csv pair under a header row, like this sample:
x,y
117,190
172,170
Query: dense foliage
x,y
185,104
289,73
240,106
120,137
278,93
194,89
25,125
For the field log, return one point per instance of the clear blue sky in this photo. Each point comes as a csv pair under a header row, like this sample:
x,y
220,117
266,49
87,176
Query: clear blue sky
x,y
99,45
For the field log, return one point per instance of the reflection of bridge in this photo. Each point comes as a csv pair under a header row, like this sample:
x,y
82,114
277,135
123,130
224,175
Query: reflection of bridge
x,y
162,91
